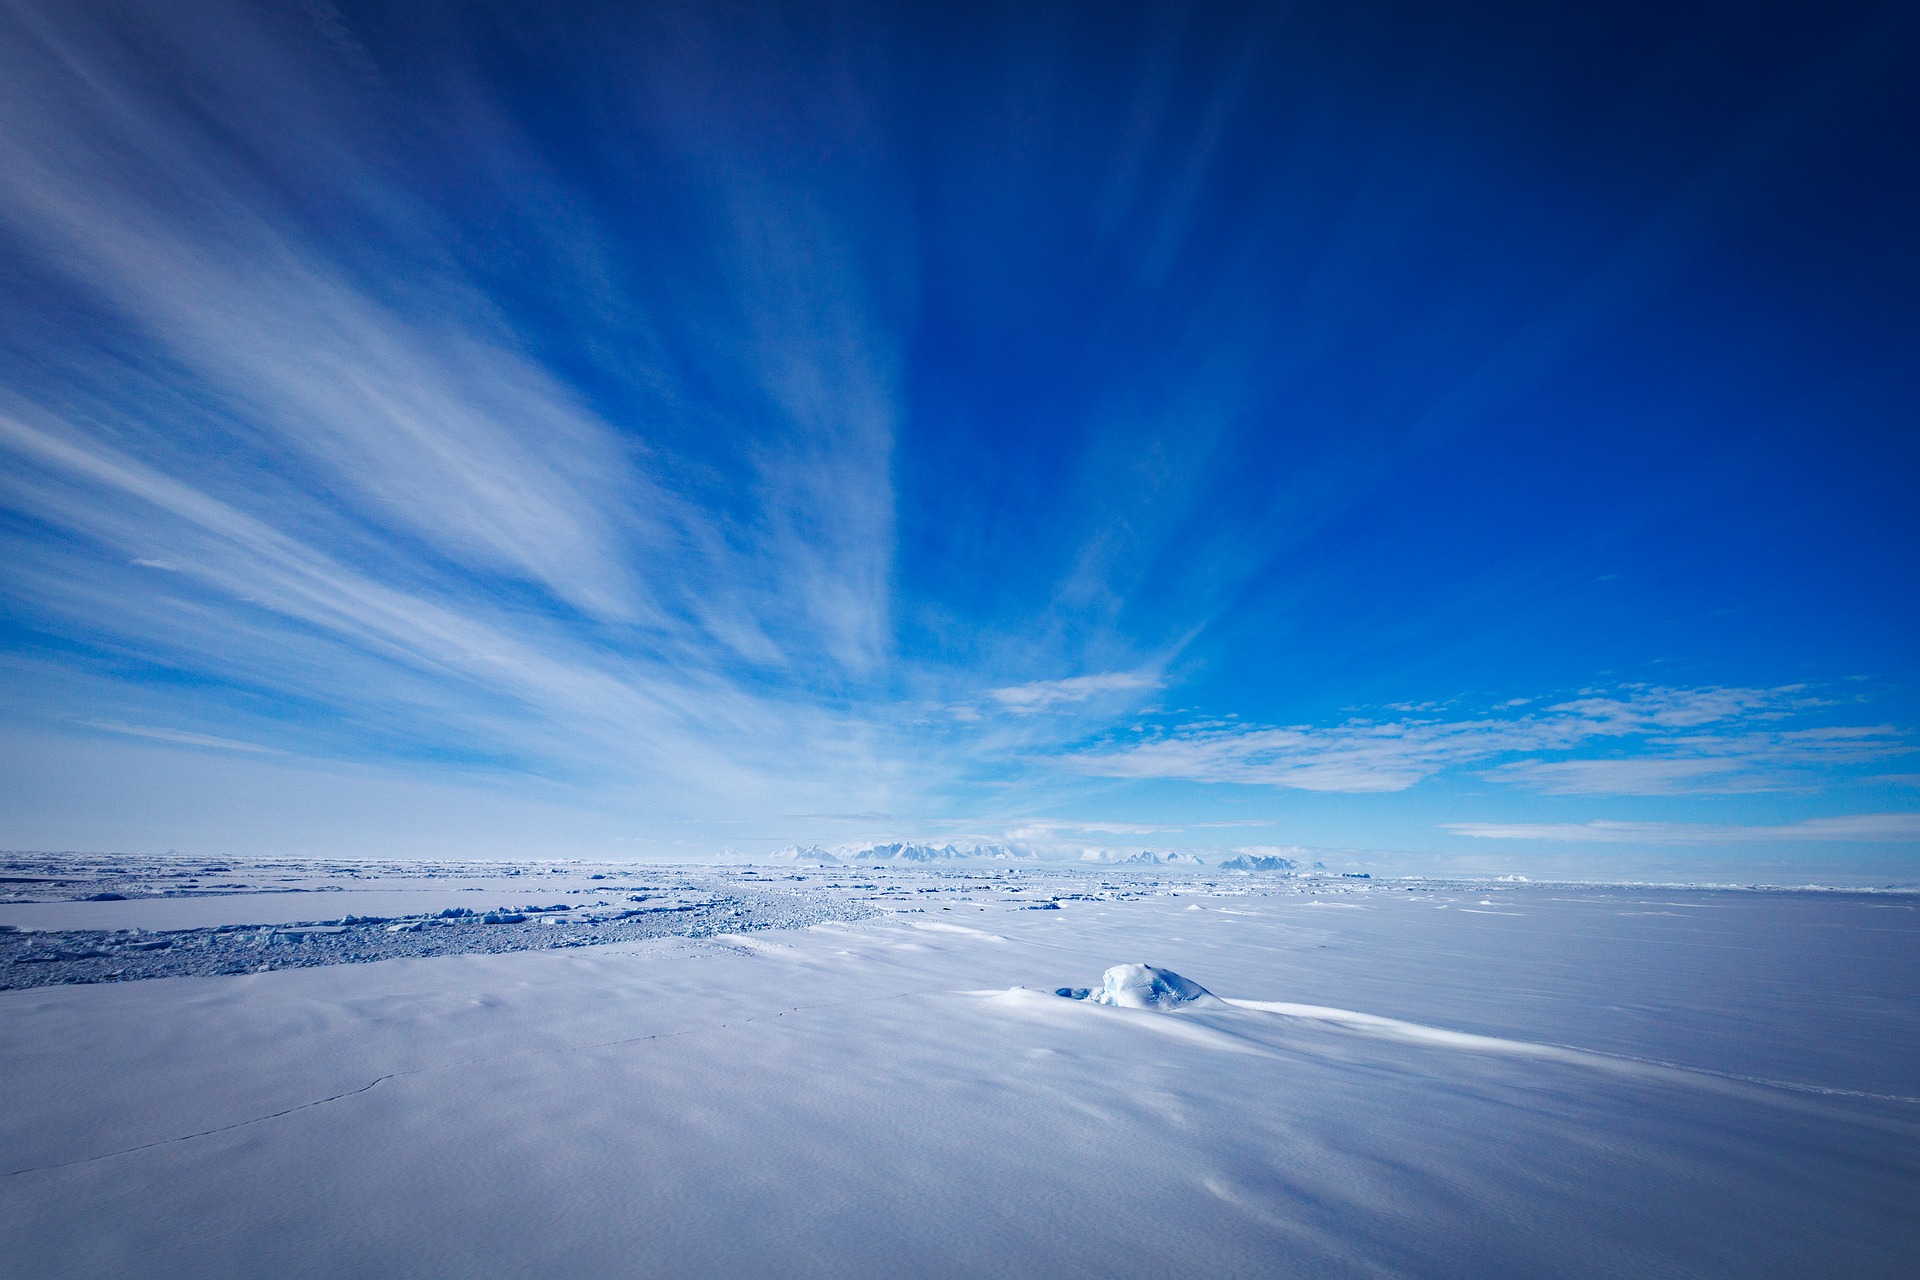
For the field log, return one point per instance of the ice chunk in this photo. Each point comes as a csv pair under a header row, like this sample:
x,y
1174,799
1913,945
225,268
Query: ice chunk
x,y
1141,986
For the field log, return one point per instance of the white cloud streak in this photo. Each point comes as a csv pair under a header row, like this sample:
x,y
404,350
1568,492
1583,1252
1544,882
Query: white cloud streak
x,y
363,488
1041,829
1046,695
1392,755
1849,828
1728,763
181,736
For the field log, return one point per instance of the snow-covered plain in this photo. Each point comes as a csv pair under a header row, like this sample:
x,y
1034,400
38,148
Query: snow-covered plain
x,y
1385,1079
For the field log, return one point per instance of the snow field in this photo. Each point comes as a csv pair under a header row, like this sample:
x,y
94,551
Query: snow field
x,y
887,1098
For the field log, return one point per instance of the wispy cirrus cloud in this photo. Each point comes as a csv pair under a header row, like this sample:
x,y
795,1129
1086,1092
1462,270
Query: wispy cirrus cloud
x,y
1872,827
1667,741
330,465
302,622
672,410
396,390
1042,829
182,736
1356,757
1044,695
1726,764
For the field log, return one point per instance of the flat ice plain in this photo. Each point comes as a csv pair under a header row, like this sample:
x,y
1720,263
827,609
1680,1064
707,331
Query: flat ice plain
x,y
866,1072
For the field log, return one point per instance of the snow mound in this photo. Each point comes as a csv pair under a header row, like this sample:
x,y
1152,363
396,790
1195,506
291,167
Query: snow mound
x,y
1142,986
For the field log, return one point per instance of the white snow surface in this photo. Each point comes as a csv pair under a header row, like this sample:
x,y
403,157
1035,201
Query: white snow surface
x,y
1583,1082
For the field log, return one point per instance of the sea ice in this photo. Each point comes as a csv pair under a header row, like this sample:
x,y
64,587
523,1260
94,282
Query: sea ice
x,y
1602,1082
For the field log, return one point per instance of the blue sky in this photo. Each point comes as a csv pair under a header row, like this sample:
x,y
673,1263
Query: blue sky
x,y
1470,439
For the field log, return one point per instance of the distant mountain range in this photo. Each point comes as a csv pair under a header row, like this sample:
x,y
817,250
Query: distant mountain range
x,y
1259,862
1145,858
912,853
906,852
